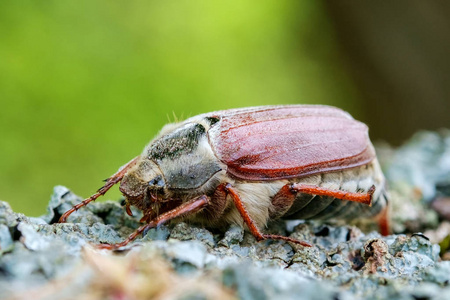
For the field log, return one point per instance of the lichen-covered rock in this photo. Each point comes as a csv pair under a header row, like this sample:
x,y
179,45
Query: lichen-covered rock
x,y
6,241
343,263
417,173
422,163
40,258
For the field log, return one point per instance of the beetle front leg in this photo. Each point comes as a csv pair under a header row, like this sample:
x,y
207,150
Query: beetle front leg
x,y
188,208
251,224
110,182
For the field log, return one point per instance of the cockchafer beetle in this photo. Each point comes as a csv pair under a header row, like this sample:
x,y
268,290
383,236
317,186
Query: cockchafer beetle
x,y
249,165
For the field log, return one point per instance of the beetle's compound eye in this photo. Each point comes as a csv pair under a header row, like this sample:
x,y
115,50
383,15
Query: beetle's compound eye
x,y
158,181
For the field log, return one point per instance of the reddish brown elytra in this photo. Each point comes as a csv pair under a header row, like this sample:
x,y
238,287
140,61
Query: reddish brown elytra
x,y
247,166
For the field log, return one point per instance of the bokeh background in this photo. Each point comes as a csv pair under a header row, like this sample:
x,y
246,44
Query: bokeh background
x,y
85,85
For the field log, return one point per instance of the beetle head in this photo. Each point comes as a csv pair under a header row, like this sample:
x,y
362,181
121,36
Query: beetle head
x,y
144,185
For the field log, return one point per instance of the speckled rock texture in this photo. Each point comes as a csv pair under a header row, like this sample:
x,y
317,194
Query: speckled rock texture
x,y
42,259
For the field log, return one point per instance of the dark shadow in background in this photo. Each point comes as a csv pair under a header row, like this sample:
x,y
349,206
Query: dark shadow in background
x,y
399,55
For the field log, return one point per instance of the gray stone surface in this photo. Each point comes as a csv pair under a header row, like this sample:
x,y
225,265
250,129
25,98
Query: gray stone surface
x,y
42,259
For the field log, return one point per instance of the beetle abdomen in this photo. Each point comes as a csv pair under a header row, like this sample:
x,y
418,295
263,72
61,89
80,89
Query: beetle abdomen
x,y
258,197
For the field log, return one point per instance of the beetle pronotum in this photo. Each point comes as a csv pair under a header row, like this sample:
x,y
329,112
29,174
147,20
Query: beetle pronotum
x,y
249,165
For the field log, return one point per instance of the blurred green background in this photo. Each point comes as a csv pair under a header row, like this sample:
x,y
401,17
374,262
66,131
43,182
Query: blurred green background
x,y
85,85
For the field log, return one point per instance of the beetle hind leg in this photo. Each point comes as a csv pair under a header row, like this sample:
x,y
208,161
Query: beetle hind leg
x,y
383,221
365,198
289,192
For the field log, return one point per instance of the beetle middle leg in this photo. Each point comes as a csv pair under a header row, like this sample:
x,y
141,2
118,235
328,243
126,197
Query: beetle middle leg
x,y
251,224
